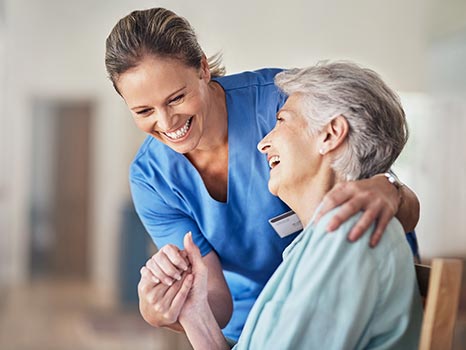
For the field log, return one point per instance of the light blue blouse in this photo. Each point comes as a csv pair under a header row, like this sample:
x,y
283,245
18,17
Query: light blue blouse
x,y
332,294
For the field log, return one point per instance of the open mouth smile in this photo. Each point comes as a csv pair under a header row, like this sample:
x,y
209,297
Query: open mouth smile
x,y
274,161
181,132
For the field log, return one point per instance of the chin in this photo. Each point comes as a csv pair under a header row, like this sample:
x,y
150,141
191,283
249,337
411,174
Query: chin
x,y
273,189
184,147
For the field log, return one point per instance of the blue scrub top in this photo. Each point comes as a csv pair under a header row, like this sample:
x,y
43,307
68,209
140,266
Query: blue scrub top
x,y
171,198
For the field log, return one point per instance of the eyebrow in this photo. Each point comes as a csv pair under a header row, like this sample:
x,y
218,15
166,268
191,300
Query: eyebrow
x,y
287,111
168,98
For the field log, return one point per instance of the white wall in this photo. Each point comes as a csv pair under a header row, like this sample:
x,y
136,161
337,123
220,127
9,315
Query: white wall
x,y
433,164
56,48
4,228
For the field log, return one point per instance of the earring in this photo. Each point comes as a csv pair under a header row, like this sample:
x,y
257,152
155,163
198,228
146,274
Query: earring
x,y
321,151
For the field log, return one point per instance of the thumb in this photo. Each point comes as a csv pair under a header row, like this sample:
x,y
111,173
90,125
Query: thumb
x,y
192,249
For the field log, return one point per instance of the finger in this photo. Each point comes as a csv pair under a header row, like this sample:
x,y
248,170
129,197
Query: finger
x,y
174,255
172,291
338,195
180,297
162,301
184,254
192,249
175,298
382,223
148,275
346,211
365,221
145,284
152,293
165,264
158,272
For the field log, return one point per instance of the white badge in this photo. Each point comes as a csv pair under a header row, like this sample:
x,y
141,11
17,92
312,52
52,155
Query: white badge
x,y
285,224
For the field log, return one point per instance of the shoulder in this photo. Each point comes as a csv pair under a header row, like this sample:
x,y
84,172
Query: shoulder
x,y
152,157
392,245
261,77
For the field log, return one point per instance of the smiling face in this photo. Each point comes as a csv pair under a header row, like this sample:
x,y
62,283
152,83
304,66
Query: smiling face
x,y
168,100
291,150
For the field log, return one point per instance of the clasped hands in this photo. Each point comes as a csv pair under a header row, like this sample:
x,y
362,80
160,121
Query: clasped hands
x,y
173,284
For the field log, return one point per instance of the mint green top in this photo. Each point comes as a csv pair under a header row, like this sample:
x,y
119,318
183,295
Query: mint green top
x,y
329,293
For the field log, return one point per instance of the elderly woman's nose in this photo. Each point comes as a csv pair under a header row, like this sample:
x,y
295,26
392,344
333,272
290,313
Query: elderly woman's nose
x,y
263,145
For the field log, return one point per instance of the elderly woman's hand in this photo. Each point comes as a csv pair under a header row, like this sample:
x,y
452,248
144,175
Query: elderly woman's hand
x,y
197,301
375,196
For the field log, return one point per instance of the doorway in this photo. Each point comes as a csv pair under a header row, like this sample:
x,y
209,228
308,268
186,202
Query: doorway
x,y
60,187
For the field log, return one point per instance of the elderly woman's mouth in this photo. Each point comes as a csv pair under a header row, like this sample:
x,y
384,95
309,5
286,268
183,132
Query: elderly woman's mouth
x,y
274,161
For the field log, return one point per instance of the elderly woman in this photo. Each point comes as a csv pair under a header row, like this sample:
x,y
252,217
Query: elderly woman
x,y
340,122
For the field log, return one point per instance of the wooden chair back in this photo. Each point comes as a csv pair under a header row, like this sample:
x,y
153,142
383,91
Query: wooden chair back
x,y
440,285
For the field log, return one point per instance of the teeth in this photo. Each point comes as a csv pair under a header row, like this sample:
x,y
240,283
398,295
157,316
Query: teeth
x,y
273,161
177,134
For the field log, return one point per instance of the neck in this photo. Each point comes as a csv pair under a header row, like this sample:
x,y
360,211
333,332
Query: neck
x,y
215,134
304,198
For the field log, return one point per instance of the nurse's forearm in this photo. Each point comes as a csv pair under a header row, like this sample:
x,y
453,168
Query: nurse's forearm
x,y
221,306
220,300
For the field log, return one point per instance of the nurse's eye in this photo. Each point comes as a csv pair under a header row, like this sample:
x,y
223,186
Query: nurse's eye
x,y
178,99
144,112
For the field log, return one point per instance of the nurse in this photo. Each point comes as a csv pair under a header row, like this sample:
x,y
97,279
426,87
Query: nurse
x,y
199,170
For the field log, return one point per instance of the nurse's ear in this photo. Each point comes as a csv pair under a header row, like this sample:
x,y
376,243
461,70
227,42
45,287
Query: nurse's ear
x,y
204,72
333,134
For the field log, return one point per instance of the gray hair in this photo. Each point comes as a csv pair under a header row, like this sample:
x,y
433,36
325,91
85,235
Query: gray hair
x,y
377,125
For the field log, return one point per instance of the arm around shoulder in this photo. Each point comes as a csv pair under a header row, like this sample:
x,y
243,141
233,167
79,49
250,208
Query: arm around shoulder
x,y
408,211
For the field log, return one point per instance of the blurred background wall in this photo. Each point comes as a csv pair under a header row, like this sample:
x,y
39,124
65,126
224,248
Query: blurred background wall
x,y
66,138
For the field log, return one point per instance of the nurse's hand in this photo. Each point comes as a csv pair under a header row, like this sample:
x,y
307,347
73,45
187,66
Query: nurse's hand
x,y
160,305
378,199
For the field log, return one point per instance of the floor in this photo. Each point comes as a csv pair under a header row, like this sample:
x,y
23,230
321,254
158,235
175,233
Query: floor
x,y
64,316
61,315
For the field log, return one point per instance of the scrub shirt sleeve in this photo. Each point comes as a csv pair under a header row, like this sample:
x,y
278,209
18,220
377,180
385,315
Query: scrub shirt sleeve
x,y
165,225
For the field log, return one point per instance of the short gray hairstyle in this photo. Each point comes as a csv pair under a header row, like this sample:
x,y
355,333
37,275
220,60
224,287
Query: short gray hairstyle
x,y
378,129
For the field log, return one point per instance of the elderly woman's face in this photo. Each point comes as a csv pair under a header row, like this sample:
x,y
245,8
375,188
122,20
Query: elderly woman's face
x,y
291,150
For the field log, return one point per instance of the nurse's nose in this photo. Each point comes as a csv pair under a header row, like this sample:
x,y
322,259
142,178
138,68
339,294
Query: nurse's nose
x,y
163,120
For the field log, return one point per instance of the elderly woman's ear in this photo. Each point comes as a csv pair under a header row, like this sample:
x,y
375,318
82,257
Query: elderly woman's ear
x,y
333,134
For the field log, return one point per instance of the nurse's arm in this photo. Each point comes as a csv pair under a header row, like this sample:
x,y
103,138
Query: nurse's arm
x,y
219,295
380,201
